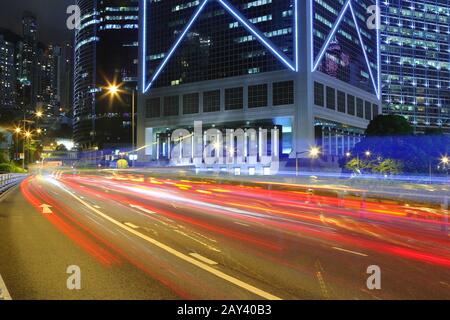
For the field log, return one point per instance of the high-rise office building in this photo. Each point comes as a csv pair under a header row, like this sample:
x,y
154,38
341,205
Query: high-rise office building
x,y
66,80
415,50
7,72
106,53
308,67
27,56
47,80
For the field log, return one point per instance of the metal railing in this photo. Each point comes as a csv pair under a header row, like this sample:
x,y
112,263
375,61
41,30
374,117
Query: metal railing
x,y
9,180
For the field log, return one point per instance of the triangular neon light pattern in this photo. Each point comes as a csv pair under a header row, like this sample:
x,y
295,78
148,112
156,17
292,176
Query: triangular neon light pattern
x,y
249,26
346,8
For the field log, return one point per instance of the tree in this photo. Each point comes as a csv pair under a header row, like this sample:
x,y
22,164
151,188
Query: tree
x,y
387,167
390,141
61,148
389,125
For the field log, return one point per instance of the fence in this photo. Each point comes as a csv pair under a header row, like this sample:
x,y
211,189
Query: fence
x,y
9,180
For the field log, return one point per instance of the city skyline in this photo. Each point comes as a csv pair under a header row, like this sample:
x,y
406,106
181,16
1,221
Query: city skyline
x,y
51,16
222,154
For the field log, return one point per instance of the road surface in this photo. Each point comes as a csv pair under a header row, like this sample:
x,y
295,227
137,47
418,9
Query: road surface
x,y
150,237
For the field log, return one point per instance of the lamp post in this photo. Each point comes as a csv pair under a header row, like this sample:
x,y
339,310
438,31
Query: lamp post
x,y
313,152
445,160
27,138
114,90
17,131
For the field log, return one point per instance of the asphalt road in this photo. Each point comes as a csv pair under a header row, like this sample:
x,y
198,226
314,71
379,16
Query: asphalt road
x,y
136,237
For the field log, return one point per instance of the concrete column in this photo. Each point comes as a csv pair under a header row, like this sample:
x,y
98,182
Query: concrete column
x,y
303,124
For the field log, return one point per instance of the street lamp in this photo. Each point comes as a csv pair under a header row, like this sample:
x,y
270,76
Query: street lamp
x,y
27,135
114,90
313,152
17,131
445,160
368,153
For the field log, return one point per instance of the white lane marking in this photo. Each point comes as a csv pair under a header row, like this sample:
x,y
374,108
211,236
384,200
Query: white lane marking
x,y
142,209
349,251
152,213
46,208
131,225
4,294
96,206
178,254
202,258
242,224
196,240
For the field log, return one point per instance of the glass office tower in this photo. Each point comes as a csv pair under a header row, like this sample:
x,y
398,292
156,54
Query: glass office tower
x,y
106,52
258,64
416,61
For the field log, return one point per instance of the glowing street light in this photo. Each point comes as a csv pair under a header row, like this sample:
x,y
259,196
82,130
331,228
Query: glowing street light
x,y
314,152
348,154
113,89
368,153
39,131
445,160
39,114
18,130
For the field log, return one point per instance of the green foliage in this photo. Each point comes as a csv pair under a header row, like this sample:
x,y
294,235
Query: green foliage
x,y
395,149
389,125
122,164
10,168
387,167
374,166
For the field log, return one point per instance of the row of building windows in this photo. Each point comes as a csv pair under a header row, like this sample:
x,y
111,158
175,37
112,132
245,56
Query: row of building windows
x,y
325,96
282,94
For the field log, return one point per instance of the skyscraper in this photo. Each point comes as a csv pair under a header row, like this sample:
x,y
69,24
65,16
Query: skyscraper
x,y
7,72
27,62
308,67
106,52
416,61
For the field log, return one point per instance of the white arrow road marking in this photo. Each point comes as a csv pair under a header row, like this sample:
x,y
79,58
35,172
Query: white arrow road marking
x,y
4,294
176,253
46,208
349,251
202,258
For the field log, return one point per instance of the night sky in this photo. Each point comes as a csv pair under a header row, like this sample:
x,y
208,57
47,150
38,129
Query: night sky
x,y
51,15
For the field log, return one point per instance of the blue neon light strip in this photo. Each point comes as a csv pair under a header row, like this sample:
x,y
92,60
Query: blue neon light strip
x,y
364,50
144,46
281,56
247,24
175,46
296,34
348,4
331,35
378,22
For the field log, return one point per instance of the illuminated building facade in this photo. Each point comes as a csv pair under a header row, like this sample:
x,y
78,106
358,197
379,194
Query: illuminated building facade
x,y
307,67
106,52
415,43
7,73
